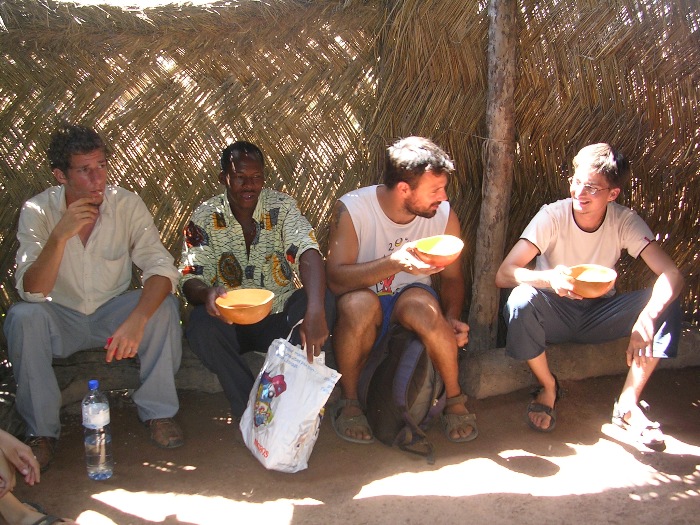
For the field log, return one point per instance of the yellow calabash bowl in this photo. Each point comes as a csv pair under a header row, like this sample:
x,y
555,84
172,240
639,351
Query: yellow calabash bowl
x,y
592,280
246,305
439,250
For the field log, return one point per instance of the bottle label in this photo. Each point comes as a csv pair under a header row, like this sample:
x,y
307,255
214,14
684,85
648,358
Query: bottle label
x,y
95,415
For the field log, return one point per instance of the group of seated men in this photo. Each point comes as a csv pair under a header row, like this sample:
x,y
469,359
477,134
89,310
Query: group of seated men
x,y
79,239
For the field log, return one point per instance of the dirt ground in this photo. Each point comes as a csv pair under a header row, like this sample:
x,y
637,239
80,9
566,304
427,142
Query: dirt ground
x,y
586,471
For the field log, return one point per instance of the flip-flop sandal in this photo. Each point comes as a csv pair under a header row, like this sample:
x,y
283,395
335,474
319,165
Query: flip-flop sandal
x,y
34,506
652,429
49,520
452,422
46,519
342,423
539,408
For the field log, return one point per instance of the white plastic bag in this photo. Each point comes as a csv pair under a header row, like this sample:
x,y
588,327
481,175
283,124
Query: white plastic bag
x,y
281,422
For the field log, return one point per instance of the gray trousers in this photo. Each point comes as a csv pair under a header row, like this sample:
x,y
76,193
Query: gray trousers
x,y
38,332
536,318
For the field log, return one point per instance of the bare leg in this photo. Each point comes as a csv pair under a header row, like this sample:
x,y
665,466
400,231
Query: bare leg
x,y
635,382
548,394
358,322
420,312
12,509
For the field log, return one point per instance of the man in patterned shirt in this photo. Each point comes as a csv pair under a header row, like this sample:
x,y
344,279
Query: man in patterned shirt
x,y
251,237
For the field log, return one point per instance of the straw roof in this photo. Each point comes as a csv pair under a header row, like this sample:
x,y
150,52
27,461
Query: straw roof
x,y
323,86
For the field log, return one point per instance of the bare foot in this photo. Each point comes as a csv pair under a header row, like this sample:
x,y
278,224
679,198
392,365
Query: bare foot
x,y
351,422
459,409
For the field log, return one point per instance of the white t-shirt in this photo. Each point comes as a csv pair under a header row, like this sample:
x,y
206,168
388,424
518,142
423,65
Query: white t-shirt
x,y
378,235
560,241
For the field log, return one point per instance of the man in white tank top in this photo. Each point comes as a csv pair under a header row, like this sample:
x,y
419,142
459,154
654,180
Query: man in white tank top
x,y
590,227
372,269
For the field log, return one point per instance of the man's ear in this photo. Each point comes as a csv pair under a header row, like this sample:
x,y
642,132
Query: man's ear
x,y
403,187
222,177
613,194
60,176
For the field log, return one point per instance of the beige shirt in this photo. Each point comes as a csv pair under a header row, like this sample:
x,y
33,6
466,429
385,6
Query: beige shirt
x,y
91,275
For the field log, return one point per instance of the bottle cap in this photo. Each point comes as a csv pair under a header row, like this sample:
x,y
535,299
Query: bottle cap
x,y
93,384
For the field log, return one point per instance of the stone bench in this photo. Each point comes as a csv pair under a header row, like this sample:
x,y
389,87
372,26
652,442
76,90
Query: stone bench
x,y
482,374
73,373
492,372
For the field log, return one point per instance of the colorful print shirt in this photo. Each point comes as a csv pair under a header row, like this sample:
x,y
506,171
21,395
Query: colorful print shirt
x,y
214,249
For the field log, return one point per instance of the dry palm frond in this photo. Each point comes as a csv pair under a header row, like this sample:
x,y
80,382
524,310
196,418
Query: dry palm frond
x,y
323,86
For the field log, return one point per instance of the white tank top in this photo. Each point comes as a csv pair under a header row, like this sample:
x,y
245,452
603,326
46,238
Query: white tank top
x,y
378,236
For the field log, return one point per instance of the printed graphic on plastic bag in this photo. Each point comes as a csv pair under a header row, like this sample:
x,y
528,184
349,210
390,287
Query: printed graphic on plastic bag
x,y
281,422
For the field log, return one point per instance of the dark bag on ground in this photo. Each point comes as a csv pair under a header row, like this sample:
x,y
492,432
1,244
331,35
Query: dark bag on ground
x,y
10,420
401,392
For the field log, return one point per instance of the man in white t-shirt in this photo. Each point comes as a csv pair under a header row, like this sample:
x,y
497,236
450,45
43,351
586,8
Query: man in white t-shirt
x,y
590,227
372,269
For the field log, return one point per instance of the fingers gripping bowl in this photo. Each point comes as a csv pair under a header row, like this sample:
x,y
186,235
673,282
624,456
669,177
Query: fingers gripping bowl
x,y
592,280
439,250
245,306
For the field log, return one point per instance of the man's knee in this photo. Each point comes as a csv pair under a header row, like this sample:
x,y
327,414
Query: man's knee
x,y
168,311
418,310
23,318
358,308
23,312
521,297
199,319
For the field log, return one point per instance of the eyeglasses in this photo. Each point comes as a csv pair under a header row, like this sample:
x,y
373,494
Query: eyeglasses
x,y
585,188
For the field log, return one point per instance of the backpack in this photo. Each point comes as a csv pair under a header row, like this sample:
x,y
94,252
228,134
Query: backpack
x,y
401,392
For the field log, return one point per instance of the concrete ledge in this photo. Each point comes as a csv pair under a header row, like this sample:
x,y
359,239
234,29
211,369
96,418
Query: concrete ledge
x,y
490,373
482,374
73,373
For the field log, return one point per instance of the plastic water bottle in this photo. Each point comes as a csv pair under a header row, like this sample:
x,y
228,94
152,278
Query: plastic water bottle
x,y
98,437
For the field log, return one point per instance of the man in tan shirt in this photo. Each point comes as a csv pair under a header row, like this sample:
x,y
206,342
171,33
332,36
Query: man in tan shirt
x,y
78,241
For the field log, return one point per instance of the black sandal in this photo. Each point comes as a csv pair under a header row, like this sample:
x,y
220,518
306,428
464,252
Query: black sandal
x,y
534,406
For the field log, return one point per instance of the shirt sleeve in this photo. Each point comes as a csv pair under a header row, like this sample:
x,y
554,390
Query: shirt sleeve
x,y
198,260
541,229
635,235
147,250
298,234
32,233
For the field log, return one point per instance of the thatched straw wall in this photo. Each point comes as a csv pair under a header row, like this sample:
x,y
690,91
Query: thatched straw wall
x,y
323,86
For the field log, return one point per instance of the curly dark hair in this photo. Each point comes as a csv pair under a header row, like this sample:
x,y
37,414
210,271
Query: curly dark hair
x,y
71,139
407,159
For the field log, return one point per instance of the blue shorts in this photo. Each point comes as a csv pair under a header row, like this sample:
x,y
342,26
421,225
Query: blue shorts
x,y
387,303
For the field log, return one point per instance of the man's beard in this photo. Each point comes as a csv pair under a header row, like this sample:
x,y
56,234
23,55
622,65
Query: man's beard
x,y
428,213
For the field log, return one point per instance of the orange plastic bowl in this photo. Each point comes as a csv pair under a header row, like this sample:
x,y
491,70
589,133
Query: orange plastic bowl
x,y
592,280
439,250
245,305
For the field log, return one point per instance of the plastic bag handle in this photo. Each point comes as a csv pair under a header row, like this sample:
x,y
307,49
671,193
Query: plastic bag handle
x,y
293,327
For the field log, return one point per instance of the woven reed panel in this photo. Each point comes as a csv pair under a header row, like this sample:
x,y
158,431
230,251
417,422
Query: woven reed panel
x,y
323,86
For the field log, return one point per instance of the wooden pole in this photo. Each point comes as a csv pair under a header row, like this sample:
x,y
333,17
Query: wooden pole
x,y
499,152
